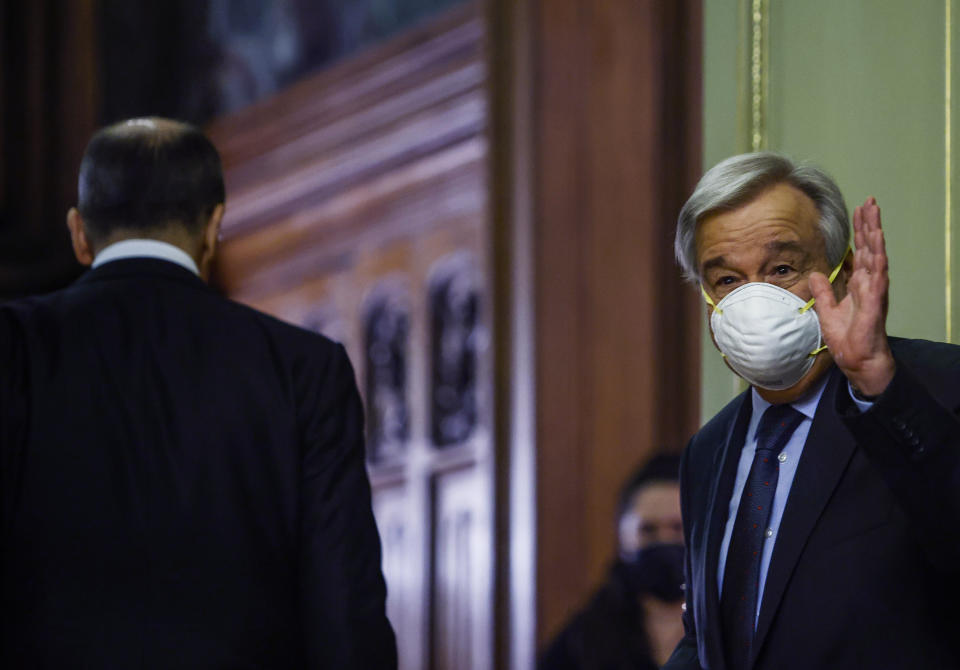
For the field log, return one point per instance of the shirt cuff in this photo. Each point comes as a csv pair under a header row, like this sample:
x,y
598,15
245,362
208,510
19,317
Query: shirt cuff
x,y
862,405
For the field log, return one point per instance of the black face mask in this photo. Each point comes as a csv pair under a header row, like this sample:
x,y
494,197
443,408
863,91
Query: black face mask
x,y
657,570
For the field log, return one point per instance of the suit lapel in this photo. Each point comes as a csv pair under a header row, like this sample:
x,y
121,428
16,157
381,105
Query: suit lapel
x,y
825,456
725,465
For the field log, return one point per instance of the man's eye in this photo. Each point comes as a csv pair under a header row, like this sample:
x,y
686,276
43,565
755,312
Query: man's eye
x,y
725,281
782,270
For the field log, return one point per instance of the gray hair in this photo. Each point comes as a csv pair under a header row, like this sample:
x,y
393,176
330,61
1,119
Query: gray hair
x,y
737,180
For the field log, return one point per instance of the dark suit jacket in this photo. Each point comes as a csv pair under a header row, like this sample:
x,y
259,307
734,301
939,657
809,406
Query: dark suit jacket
x,y
182,484
866,567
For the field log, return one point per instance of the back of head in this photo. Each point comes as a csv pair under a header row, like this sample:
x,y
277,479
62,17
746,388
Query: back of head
x,y
142,176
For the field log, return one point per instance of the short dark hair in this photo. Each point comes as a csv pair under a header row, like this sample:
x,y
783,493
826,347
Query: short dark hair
x,y
663,467
147,174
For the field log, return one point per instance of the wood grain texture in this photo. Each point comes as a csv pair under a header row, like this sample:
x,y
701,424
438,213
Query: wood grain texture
x,y
616,110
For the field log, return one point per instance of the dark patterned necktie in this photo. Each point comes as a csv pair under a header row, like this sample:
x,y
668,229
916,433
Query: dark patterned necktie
x,y
741,576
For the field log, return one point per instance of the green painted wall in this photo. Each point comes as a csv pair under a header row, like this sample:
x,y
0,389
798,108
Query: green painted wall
x,y
724,134
857,87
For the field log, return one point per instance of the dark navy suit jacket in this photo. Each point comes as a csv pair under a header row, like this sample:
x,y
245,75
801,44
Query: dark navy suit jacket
x,y
182,484
866,569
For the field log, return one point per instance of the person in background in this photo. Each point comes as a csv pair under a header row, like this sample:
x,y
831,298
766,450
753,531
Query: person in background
x,y
633,621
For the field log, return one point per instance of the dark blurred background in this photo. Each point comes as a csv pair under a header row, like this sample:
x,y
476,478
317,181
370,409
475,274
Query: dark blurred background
x,y
70,66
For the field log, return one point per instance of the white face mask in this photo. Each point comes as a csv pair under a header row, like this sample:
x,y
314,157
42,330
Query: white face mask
x,y
768,335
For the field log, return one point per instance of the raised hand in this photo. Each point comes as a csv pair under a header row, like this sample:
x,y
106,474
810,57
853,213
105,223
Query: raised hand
x,y
855,328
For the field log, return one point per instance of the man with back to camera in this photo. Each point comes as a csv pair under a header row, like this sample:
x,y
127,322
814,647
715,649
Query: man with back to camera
x,y
632,622
183,478
821,508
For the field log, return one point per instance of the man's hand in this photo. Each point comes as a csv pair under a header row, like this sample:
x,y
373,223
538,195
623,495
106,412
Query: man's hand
x,y
855,328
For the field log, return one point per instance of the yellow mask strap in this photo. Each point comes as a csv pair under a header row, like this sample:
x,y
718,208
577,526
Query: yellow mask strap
x,y
833,275
707,297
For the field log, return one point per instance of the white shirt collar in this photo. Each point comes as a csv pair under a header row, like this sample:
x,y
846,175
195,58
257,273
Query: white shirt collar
x,y
141,248
806,404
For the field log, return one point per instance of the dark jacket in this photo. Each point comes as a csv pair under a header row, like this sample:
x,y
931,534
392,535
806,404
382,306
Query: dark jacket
x,y
183,484
607,634
866,569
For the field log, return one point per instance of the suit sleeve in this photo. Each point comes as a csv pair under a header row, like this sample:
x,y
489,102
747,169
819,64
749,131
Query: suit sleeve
x,y
342,590
14,394
12,379
14,391
686,656
914,441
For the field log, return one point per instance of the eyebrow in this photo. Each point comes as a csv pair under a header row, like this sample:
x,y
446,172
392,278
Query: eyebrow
x,y
712,263
777,246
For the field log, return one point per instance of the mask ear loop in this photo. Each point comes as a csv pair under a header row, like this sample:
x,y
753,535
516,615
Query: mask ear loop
x,y
709,300
833,275
712,304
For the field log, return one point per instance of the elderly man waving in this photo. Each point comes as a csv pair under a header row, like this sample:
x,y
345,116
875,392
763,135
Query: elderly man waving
x,y
822,506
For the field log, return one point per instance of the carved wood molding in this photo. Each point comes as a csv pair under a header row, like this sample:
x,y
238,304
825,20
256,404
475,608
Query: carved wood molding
x,y
389,141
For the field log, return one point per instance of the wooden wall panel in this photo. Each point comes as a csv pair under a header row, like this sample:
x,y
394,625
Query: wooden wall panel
x,y
371,180
614,92
462,592
392,509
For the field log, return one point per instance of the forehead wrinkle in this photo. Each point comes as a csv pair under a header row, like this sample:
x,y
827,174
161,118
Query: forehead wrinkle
x,y
786,245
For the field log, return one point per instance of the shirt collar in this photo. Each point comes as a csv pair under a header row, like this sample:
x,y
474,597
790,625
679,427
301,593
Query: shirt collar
x,y
141,248
806,404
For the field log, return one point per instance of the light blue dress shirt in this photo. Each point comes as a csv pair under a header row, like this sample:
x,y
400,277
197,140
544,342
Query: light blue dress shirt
x,y
789,459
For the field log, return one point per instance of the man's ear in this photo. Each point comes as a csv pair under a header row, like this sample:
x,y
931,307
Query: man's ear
x,y
211,235
82,248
